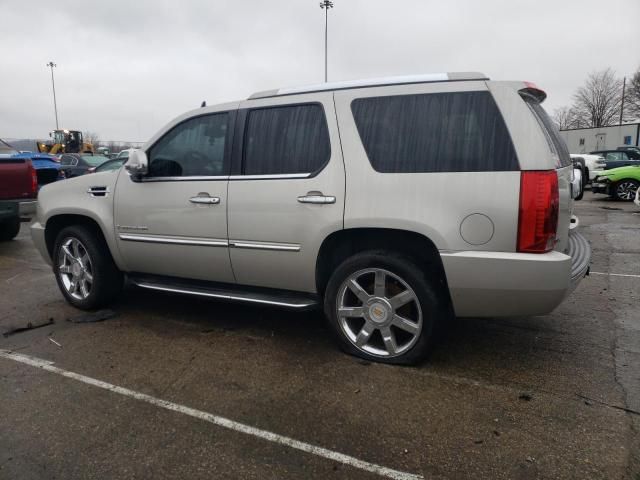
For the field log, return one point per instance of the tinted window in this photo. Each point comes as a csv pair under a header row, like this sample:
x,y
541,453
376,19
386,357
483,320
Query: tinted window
x,y
438,132
613,156
292,139
195,147
68,160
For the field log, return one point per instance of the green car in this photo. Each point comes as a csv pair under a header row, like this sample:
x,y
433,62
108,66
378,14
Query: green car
x,y
621,183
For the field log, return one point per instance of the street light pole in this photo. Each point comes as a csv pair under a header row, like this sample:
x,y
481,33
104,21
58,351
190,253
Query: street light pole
x,y
624,84
326,5
53,84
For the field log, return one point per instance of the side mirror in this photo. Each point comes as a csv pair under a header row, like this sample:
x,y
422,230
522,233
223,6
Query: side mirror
x,y
137,165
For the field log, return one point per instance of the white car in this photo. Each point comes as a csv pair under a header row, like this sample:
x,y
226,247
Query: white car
x,y
594,164
125,153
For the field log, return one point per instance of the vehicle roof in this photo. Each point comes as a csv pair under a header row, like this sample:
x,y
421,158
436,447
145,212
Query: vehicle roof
x,y
373,82
35,156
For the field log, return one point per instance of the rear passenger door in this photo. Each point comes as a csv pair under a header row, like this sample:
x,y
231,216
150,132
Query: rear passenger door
x,y
286,194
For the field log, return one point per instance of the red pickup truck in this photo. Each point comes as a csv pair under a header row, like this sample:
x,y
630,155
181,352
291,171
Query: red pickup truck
x,y
18,191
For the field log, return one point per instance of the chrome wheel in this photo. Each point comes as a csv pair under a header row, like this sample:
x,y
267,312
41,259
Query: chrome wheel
x,y
74,269
626,190
379,312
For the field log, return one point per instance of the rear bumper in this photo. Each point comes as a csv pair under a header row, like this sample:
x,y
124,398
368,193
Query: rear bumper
x,y
28,208
8,210
21,208
494,284
580,253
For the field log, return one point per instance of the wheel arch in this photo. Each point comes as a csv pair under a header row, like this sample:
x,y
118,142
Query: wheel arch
x,y
56,223
340,245
621,180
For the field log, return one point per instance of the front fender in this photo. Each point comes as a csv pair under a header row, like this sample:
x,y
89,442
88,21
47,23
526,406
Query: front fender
x,y
76,196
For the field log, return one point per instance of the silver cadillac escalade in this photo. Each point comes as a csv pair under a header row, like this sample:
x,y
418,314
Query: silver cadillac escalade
x,y
391,203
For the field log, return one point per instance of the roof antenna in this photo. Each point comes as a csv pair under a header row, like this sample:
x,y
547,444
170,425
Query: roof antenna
x,y
204,104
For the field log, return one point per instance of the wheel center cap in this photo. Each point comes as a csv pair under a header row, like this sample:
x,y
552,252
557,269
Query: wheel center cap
x,y
76,269
378,312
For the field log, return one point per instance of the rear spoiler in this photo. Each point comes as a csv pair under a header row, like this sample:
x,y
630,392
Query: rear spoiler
x,y
534,91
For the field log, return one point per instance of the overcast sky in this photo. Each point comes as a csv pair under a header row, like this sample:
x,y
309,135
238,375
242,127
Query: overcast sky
x,y
125,68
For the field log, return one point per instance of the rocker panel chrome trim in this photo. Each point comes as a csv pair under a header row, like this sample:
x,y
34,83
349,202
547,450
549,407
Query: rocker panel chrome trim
x,y
224,296
264,246
173,241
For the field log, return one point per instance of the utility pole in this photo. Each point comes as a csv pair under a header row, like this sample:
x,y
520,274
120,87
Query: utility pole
x,y
326,5
624,84
53,84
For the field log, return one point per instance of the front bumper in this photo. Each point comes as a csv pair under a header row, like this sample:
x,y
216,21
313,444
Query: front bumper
x,y
37,235
593,174
601,187
498,284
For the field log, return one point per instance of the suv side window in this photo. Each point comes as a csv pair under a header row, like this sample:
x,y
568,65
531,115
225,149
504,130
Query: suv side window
x,y
195,147
285,140
613,156
437,132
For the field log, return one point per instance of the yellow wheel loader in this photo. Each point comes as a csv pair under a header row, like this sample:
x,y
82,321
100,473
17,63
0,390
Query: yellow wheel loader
x,y
65,141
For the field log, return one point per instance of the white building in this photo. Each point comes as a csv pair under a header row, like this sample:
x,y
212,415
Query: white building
x,y
585,140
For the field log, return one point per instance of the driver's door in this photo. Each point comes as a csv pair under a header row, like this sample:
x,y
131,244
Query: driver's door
x,y
174,221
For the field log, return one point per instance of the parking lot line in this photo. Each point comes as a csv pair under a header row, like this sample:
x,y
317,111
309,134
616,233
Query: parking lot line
x,y
615,274
215,419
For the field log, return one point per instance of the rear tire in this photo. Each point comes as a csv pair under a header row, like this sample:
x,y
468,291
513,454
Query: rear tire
x,y
625,190
9,229
85,271
579,197
382,307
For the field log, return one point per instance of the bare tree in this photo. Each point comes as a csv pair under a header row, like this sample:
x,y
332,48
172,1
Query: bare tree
x,y
92,138
632,97
597,102
566,117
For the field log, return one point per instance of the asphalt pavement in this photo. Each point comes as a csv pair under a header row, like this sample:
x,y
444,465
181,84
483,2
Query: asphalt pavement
x,y
177,387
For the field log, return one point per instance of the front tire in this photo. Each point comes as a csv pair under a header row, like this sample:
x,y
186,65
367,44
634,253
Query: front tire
x,y
383,308
625,190
84,269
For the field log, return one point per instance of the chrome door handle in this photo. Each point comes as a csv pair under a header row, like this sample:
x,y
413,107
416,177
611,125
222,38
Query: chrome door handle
x,y
205,200
317,199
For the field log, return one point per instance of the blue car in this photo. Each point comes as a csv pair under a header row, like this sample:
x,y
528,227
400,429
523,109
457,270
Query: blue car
x,y
47,167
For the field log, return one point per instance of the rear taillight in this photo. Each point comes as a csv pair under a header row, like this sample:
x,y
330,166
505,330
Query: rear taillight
x,y
538,216
34,179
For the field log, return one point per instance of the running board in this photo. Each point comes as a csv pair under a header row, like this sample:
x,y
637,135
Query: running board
x,y
275,298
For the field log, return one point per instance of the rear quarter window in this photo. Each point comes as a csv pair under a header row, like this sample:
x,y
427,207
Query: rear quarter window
x,y
437,132
556,143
